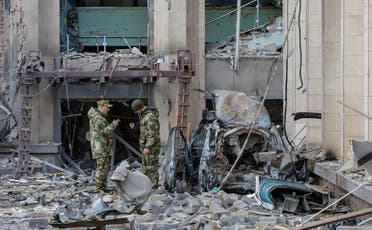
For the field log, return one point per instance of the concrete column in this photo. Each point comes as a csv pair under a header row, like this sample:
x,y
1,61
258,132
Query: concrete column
x,y
49,45
353,72
196,42
179,25
34,26
161,26
338,60
304,68
333,84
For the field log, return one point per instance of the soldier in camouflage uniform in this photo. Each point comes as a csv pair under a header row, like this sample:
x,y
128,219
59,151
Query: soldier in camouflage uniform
x,y
101,136
149,140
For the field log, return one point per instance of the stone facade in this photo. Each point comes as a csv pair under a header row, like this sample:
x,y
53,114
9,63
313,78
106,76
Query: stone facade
x,y
336,57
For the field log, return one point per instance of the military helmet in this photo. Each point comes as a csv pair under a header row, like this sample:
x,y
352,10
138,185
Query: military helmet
x,y
137,105
104,103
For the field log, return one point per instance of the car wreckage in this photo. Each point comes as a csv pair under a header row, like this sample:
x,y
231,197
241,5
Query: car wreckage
x,y
267,165
219,139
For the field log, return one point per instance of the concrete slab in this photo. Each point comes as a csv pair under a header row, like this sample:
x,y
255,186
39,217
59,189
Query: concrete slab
x,y
328,171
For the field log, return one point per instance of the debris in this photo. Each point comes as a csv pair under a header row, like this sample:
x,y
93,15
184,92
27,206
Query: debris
x,y
38,223
51,165
290,204
217,141
363,154
31,62
270,193
29,200
335,219
267,156
99,224
264,41
73,164
135,151
73,61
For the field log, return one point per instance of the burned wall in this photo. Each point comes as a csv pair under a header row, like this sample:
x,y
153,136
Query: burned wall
x,y
31,25
14,37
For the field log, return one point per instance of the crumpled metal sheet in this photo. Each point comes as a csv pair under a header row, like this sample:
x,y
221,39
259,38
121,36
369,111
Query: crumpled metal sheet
x,y
134,185
264,41
237,109
264,187
5,120
170,161
275,194
121,172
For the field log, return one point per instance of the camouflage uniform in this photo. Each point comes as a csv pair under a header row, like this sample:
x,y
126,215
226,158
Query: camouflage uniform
x,y
101,135
150,138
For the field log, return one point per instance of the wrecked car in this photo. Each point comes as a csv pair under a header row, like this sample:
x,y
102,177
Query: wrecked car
x,y
217,142
291,197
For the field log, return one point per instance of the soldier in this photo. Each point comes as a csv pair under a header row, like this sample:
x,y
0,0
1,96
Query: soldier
x,y
149,139
101,136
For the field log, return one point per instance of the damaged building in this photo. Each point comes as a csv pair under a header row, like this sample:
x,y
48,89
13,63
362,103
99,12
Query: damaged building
x,y
264,111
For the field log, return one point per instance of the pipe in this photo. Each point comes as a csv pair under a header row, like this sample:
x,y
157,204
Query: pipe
x,y
258,14
104,44
366,68
121,140
335,202
237,35
335,219
228,13
342,78
68,42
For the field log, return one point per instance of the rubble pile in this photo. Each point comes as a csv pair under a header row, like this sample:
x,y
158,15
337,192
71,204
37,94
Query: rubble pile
x,y
30,202
271,186
264,41
123,59
43,199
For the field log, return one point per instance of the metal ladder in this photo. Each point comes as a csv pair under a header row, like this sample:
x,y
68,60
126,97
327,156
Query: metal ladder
x,y
186,72
25,126
183,109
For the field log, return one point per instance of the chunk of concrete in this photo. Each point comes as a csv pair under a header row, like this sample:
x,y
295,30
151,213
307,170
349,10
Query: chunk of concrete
x,y
116,227
267,156
38,223
290,204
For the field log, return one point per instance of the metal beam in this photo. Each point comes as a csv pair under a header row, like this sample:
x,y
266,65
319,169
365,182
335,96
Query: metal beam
x,y
128,146
51,165
35,148
99,224
73,164
228,13
94,91
115,74
88,74
335,219
129,74
237,36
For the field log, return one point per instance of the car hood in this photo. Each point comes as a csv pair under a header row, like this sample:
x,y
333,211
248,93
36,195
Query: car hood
x,y
237,109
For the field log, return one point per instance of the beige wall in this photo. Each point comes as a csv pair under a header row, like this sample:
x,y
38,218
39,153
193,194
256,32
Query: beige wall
x,y
337,50
2,36
178,25
332,77
49,44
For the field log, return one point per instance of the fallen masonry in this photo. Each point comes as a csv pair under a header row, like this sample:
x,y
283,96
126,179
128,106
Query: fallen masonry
x,y
53,201
271,186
